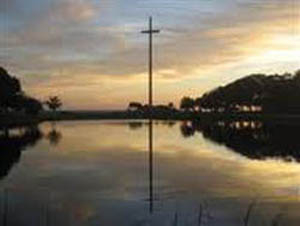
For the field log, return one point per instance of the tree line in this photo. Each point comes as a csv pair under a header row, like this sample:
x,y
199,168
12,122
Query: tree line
x,y
14,99
254,93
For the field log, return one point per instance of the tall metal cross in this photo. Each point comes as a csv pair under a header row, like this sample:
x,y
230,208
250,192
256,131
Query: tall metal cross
x,y
151,31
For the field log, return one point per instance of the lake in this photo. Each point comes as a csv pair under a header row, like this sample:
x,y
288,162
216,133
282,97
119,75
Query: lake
x,y
140,173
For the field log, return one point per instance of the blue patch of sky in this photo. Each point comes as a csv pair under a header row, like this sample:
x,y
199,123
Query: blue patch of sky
x,y
19,12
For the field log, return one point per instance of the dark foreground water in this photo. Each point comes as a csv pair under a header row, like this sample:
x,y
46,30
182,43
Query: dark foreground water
x,y
104,173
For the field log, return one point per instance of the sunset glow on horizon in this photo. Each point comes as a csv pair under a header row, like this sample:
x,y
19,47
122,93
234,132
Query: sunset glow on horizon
x,y
92,55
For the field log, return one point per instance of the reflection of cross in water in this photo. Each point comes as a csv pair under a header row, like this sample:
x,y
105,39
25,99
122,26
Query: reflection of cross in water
x,y
150,166
298,193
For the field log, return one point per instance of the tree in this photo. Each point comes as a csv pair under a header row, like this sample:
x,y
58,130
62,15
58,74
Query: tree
x,y
27,104
257,92
9,87
187,104
171,105
198,103
32,106
13,98
135,106
53,103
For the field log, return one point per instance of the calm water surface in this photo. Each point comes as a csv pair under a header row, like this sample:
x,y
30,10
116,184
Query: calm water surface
x,y
99,173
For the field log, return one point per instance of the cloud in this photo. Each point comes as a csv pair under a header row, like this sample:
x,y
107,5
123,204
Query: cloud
x,y
62,33
48,23
73,11
76,39
6,5
58,35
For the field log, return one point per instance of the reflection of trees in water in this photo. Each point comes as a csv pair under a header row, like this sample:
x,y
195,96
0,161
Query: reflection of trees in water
x,y
187,129
253,139
11,146
54,137
134,125
170,123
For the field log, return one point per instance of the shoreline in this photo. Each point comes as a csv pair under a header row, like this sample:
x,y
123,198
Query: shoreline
x,y
21,119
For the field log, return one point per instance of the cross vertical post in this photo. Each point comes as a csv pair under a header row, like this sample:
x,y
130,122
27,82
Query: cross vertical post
x,y
151,31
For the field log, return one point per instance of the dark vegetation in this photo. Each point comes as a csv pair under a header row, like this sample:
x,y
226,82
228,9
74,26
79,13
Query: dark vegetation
x,y
145,109
54,103
13,141
138,110
253,97
273,94
12,97
12,146
19,109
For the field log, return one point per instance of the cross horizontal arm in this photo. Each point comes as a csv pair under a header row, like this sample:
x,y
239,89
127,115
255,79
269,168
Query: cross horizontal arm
x,y
150,31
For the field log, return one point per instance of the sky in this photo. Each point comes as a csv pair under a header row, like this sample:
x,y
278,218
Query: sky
x,y
92,55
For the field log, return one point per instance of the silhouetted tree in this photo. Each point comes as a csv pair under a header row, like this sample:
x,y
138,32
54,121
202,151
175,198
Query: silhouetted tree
x,y
54,103
32,106
171,105
27,104
187,104
198,103
271,94
13,98
9,87
135,106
